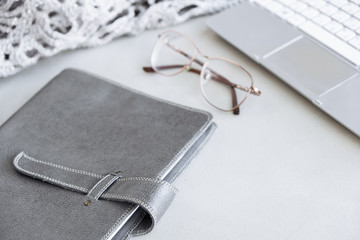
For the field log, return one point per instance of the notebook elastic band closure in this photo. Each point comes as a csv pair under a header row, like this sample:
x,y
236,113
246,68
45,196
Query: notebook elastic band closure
x,y
152,195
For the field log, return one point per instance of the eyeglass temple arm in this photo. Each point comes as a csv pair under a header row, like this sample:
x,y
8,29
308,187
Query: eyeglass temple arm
x,y
236,111
216,77
253,90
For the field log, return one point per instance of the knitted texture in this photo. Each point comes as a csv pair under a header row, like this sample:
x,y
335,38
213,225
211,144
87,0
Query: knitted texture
x,y
32,29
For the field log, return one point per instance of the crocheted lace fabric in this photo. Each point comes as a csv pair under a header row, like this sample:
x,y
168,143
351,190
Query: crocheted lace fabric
x,y
32,29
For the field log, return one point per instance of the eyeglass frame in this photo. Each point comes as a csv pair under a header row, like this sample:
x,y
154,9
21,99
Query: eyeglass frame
x,y
249,90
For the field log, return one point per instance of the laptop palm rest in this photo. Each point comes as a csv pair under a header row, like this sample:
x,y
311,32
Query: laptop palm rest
x,y
308,67
253,26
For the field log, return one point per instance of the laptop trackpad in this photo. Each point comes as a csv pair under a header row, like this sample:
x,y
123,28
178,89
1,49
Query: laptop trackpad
x,y
309,67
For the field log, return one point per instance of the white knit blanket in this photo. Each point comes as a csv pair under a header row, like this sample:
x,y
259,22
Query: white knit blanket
x,y
33,29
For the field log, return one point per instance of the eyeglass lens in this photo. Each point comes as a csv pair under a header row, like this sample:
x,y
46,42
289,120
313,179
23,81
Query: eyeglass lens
x,y
167,57
224,84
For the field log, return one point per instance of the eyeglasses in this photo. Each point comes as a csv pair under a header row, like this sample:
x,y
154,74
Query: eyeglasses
x,y
174,53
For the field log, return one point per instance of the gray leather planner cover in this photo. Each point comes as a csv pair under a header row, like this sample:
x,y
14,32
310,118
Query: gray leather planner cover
x,y
86,158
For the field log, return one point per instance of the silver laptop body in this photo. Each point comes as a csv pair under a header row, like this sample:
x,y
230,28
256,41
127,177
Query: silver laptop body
x,y
326,78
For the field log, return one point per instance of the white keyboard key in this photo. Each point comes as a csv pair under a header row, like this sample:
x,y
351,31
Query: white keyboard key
x,y
298,6
317,4
356,2
339,3
352,23
284,13
332,42
340,16
328,9
310,13
333,27
287,2
355,42
321,20
296,19
263,3
357,15
346,34
350,8
275,7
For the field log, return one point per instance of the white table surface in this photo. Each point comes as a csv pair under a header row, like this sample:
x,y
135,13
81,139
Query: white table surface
x,y
283,169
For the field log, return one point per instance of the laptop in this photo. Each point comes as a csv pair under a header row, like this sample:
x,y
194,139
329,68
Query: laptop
x,y
312,45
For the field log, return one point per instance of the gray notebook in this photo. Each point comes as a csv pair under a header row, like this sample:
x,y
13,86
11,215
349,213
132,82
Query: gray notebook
x,y
86,158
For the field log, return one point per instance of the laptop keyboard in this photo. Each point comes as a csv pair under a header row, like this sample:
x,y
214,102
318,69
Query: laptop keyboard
x,y
335,23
